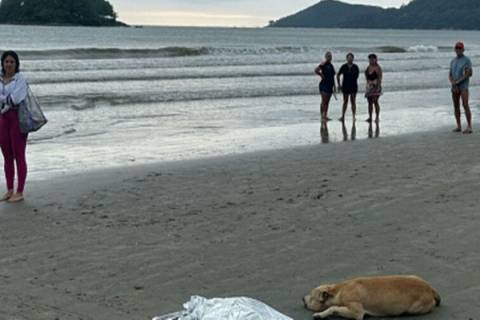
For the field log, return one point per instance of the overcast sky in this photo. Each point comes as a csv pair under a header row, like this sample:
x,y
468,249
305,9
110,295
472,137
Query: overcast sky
x,y
241,13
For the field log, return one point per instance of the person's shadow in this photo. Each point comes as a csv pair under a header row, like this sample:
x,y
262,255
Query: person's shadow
x,y
371,134
353,133
325,137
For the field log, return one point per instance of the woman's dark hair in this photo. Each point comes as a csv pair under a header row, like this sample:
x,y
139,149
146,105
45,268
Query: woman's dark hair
x,y
350,55
372,56
14,55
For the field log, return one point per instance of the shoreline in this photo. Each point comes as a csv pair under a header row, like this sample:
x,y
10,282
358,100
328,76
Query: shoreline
x,y
293,136
198,161
137,242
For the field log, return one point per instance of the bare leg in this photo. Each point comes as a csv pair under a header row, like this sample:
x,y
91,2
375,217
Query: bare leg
x,y
370,109
377,109
324,106
345,105
456,106
353,101
327,104
468,112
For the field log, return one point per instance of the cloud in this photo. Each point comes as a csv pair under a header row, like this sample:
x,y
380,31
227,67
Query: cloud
x,y
217,12
193,18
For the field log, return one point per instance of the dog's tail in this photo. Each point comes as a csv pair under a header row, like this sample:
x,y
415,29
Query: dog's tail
x,y
438,299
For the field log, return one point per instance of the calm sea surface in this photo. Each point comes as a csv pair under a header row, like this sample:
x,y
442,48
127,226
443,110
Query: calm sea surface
x,y
122,96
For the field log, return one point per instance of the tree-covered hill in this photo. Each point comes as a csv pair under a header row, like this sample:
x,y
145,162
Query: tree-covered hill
x,y
58,12
418,14
327,14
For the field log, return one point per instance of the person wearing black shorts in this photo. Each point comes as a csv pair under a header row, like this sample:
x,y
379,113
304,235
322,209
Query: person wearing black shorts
x,y
349,86
326,71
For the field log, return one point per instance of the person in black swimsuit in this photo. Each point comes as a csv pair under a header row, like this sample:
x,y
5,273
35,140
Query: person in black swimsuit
x,y
374,77
326,71
349,86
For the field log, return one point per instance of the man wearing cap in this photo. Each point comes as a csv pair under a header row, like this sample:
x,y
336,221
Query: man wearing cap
x,y
460,74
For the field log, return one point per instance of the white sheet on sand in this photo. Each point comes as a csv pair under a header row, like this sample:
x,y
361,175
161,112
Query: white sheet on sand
x,y
199,308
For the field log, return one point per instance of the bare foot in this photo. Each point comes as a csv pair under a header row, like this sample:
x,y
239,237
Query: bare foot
x,y
17,197
468,131
457,130
369,120
6,196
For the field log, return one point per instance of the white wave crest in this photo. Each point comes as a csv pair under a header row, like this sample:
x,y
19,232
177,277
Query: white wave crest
x,y
423,48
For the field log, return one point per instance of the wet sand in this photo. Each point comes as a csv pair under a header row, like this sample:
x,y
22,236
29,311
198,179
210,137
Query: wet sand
x,y
136,242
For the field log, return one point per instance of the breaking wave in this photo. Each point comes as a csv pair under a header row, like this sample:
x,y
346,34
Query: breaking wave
x,y
174,52
167,52
112,53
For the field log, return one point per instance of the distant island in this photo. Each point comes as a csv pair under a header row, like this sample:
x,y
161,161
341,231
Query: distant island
x,y
418,14
59,12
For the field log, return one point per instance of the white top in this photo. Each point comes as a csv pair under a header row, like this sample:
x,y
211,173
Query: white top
x,y
13,92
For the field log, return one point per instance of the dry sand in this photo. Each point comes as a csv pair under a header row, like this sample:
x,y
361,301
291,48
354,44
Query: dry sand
x,y
134,243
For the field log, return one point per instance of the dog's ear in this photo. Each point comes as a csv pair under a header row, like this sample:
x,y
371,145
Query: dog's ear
x,y
326,295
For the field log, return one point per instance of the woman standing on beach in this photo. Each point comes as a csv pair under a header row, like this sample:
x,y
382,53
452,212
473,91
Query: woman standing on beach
x,y
374,77
13,90
326,71
349,86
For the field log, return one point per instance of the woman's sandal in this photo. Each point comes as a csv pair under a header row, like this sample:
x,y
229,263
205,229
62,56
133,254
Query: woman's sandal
x,y
7,196
15,198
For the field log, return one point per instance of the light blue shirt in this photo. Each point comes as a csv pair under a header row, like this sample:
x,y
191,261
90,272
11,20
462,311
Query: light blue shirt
x,y
457,70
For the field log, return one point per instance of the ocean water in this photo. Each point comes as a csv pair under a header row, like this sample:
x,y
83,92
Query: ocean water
x,y
126,96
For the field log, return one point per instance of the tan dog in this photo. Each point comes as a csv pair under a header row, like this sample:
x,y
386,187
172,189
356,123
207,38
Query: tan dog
x,y
374,296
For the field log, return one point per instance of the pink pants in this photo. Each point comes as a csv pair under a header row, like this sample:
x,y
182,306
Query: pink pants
x,y
14,144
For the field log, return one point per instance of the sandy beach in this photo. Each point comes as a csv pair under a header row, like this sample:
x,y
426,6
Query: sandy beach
x,y
133,243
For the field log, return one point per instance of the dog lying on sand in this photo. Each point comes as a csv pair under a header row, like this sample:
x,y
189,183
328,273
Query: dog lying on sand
x,y
374,296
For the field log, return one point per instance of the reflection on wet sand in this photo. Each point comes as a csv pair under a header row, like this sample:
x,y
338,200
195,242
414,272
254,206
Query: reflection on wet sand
x,y
324,132
353,134
370,130
348,133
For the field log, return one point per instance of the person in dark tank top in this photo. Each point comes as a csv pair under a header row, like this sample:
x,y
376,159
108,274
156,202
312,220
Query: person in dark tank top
x,y
349,85
326,71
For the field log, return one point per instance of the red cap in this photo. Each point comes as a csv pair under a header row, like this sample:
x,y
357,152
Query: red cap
x,y
459,45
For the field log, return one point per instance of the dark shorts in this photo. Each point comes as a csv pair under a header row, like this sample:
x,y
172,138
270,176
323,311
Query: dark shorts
x,y
350,89
459,89
326,88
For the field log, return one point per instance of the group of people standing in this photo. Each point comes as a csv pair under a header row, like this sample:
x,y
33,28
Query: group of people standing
x,y
347,81
13,90
459,76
